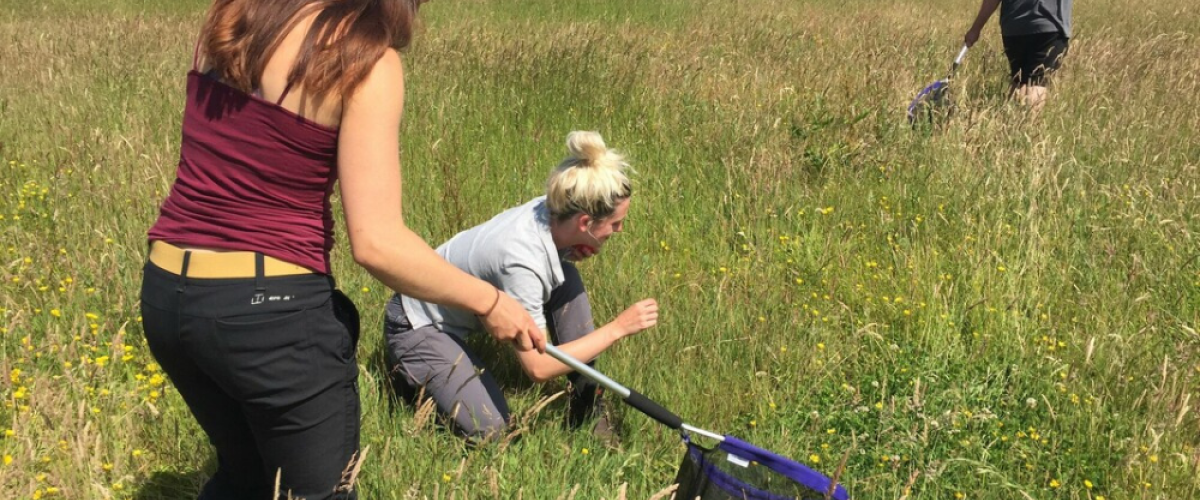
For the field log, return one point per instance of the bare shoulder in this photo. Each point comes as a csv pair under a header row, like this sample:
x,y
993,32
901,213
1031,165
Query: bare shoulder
x,y
371,116
385,78
389,61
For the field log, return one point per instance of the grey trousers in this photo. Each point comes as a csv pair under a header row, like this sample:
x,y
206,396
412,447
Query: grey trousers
x,y
454,377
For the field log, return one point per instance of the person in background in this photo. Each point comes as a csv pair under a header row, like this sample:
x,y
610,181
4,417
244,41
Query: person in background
x,y
284,98
527,251
1036,34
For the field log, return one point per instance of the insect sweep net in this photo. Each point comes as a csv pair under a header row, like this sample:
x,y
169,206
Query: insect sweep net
x,y
735,469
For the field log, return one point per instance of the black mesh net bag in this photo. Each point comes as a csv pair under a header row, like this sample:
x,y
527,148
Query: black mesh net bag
x,y
735,469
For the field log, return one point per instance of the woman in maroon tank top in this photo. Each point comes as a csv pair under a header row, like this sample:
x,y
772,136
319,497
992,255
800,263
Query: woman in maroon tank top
x,y
287,97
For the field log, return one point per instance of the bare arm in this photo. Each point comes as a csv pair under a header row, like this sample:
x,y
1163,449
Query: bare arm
x,y
370,183
986,9
542,367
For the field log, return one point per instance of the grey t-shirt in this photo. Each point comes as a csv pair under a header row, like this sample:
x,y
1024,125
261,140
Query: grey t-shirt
x,y
514,252
1028,17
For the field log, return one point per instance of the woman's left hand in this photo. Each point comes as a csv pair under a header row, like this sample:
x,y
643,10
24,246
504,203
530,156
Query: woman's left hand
x,y
638,317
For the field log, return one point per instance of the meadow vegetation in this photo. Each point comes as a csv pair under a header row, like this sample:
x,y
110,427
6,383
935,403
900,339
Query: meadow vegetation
x,y
1003,306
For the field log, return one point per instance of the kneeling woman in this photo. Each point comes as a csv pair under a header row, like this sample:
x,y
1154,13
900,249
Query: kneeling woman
x,y
525,252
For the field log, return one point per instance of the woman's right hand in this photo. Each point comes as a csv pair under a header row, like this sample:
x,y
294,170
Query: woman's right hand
x,y
508,321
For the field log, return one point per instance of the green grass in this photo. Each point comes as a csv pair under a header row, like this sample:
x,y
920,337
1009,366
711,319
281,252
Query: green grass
x,y
1005,307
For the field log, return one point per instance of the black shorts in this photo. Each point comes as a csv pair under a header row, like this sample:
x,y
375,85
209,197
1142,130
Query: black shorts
x,y
1031,58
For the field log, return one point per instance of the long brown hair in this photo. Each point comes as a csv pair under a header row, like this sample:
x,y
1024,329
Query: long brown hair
x,y
346,39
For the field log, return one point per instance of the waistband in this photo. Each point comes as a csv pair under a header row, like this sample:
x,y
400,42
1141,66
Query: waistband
x,y
206,264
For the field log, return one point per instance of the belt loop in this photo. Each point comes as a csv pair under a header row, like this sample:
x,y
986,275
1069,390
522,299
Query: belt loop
x,y
259,271
187,257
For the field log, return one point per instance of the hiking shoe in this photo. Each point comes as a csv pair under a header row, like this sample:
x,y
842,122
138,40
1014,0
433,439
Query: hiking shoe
x,y
587,404
583,404
607,427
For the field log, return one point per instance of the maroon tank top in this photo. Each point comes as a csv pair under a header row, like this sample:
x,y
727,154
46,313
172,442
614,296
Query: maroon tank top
x,y
252,176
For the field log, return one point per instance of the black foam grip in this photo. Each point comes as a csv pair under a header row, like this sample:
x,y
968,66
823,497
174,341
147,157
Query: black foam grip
x,y
654,410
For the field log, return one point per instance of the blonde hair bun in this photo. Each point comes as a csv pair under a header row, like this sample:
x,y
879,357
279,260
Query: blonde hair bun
x,y
587,147
591,180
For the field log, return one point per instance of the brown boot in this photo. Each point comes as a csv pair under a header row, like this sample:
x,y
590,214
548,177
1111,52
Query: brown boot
x,y
587,403
607,427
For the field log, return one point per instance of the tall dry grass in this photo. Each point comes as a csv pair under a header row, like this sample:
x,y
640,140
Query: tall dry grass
x,y
1001,307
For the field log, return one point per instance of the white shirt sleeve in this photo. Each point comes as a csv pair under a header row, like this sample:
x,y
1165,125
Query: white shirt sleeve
x,y
528,288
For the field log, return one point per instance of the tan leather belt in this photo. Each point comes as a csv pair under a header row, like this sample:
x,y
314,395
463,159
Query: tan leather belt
x,y
211,264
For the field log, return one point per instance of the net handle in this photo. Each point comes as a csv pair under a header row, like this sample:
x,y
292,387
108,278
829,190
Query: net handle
x,y
958,60
631,397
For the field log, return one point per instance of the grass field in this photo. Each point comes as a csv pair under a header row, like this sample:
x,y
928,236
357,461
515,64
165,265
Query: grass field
x,y
1006,307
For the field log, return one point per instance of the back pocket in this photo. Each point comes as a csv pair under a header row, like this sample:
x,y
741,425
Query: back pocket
x,y
271,357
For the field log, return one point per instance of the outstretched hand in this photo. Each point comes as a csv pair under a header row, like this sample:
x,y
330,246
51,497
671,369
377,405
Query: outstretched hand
x,y
508,321
638,317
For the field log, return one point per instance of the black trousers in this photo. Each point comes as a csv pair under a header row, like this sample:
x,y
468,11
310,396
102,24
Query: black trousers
x,y
267,366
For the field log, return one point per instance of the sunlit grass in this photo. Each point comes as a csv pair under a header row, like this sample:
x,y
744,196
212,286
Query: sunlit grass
x,y
999,308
